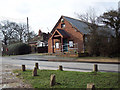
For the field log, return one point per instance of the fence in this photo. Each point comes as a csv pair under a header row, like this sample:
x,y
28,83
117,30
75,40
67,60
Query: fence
x,y
68,48
42,49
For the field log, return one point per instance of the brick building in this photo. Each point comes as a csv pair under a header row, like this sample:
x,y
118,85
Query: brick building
x,y
40,42
68,35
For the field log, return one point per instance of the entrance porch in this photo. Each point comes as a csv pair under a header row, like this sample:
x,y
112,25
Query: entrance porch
x,y
60,39
61,43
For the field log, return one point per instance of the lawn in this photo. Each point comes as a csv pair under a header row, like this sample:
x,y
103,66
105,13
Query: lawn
x,y
70,79
114,58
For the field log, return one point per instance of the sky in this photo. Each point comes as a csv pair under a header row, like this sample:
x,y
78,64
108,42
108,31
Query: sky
x,y
44,14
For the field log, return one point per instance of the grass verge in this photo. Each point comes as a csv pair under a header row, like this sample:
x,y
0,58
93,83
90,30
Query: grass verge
x,y
97,58
70,79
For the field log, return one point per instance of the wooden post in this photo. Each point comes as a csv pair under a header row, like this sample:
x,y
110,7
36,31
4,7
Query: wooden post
x,y
61,44
52,80
95,68
60,68
90,86
23,67
34,73
36,65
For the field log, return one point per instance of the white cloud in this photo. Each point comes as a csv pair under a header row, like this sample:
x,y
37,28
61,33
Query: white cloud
x,y
45,13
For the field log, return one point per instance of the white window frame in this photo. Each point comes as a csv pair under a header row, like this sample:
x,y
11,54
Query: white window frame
x,y
71,43
86,39
63,25
62,20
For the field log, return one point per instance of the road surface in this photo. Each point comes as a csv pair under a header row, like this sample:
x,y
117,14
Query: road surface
x,y
29,61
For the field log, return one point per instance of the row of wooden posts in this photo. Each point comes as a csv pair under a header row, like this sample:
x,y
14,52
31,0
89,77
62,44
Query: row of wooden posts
x,y
52,77
34,73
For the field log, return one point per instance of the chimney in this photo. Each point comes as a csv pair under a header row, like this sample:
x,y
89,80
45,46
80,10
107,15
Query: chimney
x,y
39,32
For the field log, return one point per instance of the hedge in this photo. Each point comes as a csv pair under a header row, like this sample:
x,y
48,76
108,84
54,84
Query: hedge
x,y
19,49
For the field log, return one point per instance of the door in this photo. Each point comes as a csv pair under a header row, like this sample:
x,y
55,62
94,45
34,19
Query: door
x,y
65,46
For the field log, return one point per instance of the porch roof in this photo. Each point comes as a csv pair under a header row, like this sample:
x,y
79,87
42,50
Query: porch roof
x,y
62,33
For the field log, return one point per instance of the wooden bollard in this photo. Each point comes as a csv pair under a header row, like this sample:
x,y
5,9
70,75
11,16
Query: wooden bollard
x,y
90,86
34,73
60,68
95,68
36,65
23,67
52,80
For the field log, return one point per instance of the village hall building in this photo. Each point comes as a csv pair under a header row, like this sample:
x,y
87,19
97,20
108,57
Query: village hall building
x,y
68,35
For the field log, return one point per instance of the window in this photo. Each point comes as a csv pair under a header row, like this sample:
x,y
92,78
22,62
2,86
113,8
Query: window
x,y
63,25
57,44
62,20
70,43
86,39
75,29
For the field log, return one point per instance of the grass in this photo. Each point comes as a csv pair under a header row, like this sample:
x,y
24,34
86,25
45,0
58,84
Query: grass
x,y
97,58
70,79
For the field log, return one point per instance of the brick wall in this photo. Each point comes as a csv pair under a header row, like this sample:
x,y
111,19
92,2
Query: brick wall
x,y
75,35
50,49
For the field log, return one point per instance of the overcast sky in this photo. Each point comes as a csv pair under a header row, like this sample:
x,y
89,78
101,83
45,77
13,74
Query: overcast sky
x,y
43,14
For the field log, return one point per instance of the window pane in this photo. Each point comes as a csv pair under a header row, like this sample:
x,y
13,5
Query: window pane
x,y
63,25
86,39
57,45
62,20
70,43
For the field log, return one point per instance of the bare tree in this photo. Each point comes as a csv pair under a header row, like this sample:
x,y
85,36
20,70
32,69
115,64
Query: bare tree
x,y
21,31
112,20
89,16
14,32
6,28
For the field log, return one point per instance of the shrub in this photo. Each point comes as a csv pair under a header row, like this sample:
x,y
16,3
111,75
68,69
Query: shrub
x,y
19,49
84,54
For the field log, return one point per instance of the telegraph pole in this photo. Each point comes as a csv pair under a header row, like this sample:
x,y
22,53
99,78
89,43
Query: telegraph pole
x,y
119,7
28,31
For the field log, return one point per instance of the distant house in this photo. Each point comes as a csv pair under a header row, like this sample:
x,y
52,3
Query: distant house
x,y
40,41
68,35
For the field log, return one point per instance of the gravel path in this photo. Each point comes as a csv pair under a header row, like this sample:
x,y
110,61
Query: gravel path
x,y
8,79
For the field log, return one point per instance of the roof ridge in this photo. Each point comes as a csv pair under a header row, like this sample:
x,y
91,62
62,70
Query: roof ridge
x,y
76,19
76,23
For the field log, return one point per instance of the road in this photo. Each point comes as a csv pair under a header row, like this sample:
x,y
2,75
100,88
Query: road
x,y
29,61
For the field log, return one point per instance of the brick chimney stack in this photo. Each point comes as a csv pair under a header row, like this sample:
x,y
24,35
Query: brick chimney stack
x,y
39,32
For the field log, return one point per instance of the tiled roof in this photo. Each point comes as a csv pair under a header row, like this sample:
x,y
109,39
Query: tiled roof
x,y
63,33
80,25
84,28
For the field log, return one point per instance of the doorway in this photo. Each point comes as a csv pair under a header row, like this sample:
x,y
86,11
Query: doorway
x,y
65,45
